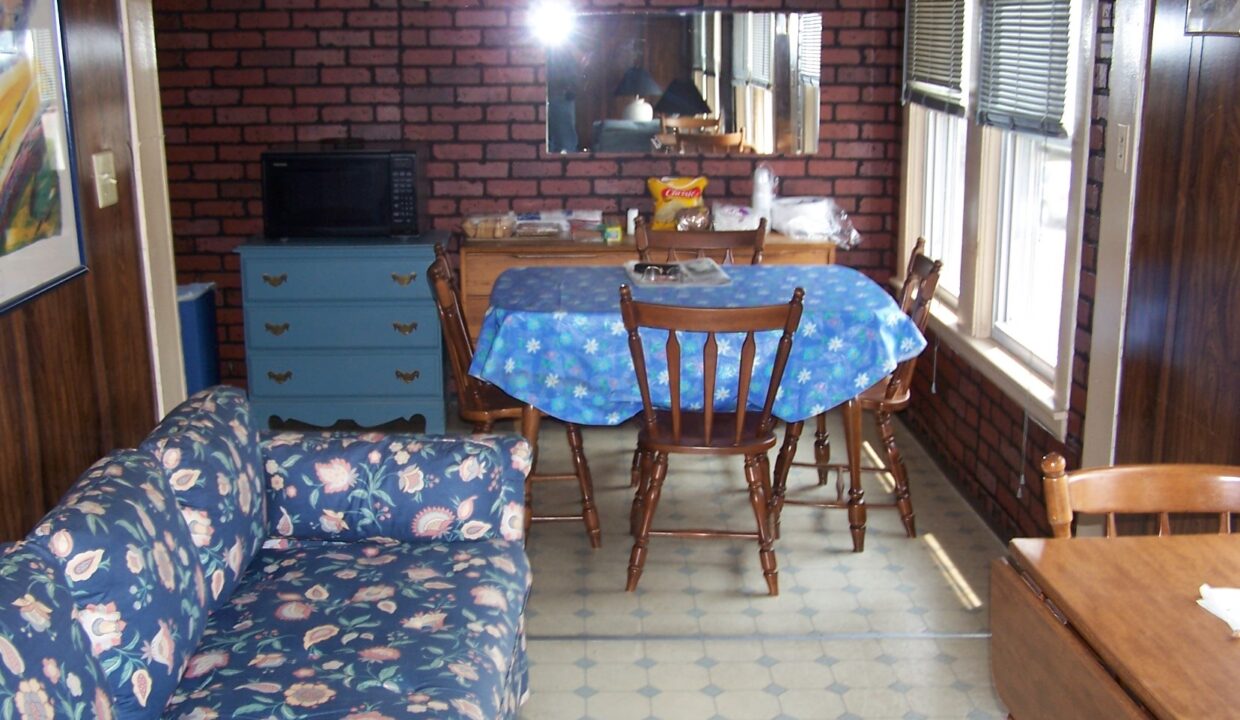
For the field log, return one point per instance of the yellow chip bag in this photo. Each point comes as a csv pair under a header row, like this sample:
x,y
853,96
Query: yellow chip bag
x,y
672,194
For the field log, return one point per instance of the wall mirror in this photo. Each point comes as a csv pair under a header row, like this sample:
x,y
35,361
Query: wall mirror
x,y
689,82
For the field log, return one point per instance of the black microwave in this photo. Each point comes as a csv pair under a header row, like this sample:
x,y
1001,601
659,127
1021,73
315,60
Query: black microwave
x,y
343,190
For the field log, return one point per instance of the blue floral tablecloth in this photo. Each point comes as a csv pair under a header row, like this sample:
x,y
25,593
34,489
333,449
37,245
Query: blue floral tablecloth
x,y
553,338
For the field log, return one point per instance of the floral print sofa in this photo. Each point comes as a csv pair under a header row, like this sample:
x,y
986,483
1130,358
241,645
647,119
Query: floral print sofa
x,y
213,574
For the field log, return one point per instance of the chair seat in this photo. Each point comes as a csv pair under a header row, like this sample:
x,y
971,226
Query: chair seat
x,y
875,397
693,435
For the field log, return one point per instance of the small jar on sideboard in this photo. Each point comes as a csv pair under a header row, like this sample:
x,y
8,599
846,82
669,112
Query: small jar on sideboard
x,y
342,329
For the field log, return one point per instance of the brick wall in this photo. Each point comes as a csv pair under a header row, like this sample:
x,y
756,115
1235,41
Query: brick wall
x,y
976,432
239,75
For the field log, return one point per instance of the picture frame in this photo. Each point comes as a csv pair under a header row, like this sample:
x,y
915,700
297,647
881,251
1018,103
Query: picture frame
x,y
1213,17
40,223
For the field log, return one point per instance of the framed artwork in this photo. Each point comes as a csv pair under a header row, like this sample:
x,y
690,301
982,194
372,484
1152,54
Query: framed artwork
x,y
1213,16
41,243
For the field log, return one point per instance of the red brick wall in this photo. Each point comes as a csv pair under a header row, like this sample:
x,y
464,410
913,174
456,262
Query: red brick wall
x,y
239,75
976,432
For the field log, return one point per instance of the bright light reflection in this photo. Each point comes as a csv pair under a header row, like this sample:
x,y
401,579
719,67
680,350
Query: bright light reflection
x,y
964,592
552,22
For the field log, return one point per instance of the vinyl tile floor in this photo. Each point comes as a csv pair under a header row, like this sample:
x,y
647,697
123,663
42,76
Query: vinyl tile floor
x,y
900,630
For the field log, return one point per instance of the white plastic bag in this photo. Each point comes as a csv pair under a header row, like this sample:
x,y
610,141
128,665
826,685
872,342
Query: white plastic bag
x,y
814,218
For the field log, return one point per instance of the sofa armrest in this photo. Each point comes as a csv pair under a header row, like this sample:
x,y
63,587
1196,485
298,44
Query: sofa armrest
x,y
351,486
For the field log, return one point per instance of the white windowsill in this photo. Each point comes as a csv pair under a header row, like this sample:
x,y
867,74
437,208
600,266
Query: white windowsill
x,y
1028,389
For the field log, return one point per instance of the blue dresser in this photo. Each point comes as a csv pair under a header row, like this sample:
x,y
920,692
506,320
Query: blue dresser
x,y
342,329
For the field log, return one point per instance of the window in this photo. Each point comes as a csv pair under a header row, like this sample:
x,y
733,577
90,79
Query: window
x,y
707,29
995,170
942,218
753,49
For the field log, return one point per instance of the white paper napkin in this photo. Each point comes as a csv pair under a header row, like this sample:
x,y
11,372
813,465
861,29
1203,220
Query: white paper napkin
x,y
1224,603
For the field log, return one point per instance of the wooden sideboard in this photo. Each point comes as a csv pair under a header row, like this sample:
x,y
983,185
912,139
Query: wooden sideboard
x,y
1110,628
482,261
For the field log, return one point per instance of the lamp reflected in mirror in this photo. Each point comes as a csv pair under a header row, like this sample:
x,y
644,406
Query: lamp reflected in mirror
x,y
636,83
682,98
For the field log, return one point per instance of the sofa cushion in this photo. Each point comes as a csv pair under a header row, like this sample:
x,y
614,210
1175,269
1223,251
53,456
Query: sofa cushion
x,y
46,669
129,562
350,486
209,450
366,630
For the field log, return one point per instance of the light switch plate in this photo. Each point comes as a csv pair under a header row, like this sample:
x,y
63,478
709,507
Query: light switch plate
x,y
105,178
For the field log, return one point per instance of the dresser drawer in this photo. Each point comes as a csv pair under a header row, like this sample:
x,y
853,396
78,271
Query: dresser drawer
x,y
346,374
358,325
391,277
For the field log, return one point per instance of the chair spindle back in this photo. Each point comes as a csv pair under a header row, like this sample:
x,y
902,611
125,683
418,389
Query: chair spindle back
x,y
456,336
1139,490
916,294
710,321
699,243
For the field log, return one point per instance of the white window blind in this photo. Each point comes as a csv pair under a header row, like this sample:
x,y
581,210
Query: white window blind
x,y
1023,68
740,48
761,47
809,47
934,54
700,41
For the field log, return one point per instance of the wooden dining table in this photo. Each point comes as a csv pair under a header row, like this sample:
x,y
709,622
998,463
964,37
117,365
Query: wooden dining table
x,y
553,339
1110,628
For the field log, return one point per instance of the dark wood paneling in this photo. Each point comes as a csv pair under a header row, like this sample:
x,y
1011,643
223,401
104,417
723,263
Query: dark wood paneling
x,y
75,361
1181,366
1202,375
119,324
19,443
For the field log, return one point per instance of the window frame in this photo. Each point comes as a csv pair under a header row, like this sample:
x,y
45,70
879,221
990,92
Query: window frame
x,y
966,325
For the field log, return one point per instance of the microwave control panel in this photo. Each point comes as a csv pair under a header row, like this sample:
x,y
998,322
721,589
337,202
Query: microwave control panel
x,y
404,195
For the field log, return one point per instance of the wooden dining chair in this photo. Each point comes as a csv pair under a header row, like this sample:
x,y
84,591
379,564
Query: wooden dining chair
x,y
683,125
682,429
671,245
889,395
483,404
712,143
1138,490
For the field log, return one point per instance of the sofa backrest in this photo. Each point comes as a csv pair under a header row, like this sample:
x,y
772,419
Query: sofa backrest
x,y
46,667
208,447
128,560
361,486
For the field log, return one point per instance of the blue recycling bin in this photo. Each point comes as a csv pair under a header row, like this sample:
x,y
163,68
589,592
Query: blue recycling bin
x,y
196,305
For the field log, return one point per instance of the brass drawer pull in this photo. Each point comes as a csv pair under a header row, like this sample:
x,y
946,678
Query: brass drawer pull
x,y
276,330
279,378
404,328
408,377
403,280
275,280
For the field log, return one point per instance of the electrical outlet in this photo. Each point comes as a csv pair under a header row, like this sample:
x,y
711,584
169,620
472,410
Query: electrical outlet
x,y
104,164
